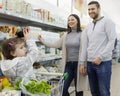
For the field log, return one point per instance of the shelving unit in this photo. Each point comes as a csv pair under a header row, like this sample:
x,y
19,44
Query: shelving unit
x,y
10,18
50,58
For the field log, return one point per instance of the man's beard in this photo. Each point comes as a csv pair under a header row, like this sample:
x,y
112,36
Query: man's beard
x,y
95,17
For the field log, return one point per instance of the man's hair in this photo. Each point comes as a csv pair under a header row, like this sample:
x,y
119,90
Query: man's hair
x,y
94,2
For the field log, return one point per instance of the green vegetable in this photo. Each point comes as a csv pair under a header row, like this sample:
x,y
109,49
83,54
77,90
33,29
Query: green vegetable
x,y
37,87
17,82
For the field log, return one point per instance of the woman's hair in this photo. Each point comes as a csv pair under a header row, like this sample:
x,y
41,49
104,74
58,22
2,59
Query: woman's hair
x,y
9,45
78,24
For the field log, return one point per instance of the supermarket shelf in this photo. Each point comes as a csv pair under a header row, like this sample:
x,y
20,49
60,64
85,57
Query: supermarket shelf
x,y
50,58
10,18
49,74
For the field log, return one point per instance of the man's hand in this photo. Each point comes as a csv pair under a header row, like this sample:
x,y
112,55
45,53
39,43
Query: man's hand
x,y
97,61
83,70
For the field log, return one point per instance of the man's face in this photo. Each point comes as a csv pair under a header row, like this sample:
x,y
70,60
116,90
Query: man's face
x,y
93,11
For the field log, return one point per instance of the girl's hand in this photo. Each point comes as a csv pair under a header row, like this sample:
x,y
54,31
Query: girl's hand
x,y
26,33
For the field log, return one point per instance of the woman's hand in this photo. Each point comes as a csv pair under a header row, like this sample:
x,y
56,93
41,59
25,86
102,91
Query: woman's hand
x,y
40,39
83,70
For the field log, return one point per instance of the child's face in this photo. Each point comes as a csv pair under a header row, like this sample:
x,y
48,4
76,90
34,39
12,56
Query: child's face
x,y
20,50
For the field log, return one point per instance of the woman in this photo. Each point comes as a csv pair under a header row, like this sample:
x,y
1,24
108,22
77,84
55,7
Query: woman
x,y
70,43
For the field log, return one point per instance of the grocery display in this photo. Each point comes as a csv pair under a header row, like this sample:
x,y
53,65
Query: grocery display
x,y
38,20
35,87
21,13
50,21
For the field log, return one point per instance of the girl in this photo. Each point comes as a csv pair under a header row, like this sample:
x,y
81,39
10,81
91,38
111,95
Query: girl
x,y
18,62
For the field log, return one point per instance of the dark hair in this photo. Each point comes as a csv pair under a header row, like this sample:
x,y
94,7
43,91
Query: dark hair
x,y
94,2
8,46
19,34
115,44
78,24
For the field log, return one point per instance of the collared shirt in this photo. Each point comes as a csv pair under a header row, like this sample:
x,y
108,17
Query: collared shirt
x,y
98,40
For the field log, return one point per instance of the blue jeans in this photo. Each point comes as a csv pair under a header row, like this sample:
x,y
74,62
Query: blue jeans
x,y
99,78
71,69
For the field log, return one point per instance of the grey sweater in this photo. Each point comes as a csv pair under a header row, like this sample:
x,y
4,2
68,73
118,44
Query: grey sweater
x,y
98,40
73,45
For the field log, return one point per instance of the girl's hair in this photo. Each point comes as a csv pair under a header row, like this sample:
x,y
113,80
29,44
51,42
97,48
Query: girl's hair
x,y
9,45
78,24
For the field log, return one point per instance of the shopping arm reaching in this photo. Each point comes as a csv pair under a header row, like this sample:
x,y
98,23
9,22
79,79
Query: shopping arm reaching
x,y
56,44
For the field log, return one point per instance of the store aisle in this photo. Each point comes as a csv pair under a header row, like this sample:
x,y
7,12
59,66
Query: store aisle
x,y
115,82
115,86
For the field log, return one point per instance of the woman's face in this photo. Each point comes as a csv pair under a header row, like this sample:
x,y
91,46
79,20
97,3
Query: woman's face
x,y
72,22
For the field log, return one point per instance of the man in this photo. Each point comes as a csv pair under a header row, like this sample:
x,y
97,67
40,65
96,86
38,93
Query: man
x,y
97,44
